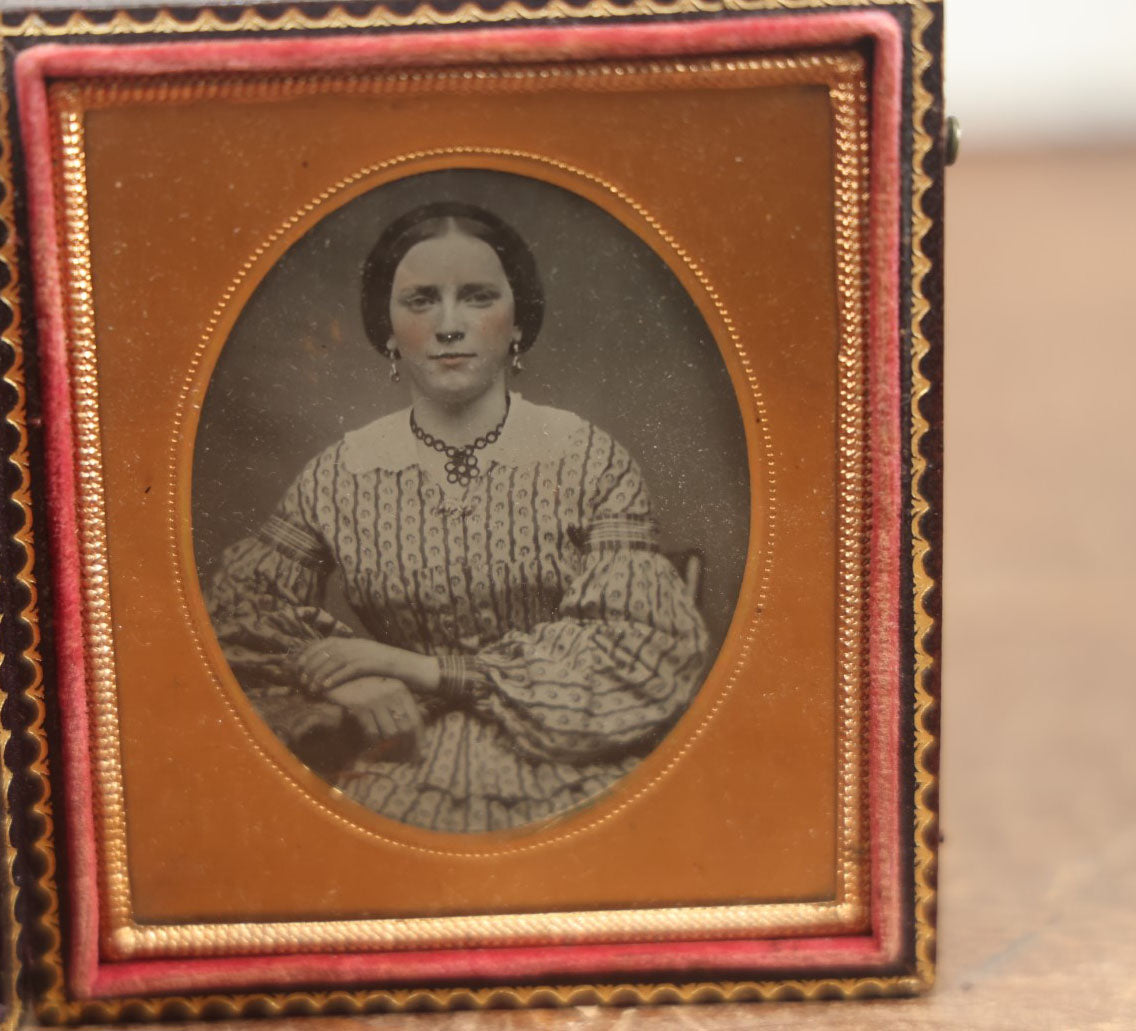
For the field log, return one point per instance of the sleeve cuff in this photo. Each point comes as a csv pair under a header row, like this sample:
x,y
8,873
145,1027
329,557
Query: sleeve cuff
x,y
610,533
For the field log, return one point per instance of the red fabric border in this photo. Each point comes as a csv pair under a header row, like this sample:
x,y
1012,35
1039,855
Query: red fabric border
x,y
90,977
63,532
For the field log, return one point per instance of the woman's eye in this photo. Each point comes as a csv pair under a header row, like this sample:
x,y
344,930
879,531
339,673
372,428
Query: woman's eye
x,y
482,298
418,302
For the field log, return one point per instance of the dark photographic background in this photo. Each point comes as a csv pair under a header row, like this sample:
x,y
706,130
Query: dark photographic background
x,y
622,346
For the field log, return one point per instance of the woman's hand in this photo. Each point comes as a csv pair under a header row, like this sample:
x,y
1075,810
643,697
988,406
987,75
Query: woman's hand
x,y
327,664
383,706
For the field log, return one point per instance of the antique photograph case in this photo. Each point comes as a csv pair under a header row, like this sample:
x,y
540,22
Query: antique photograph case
x,y
474,512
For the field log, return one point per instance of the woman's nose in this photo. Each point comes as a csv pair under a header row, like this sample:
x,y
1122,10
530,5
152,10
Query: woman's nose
x,y
449,326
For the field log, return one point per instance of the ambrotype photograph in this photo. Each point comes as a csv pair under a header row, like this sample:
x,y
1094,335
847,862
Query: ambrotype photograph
x,y
470,500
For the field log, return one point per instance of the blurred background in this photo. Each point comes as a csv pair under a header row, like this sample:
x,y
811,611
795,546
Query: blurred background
x,y
1038,903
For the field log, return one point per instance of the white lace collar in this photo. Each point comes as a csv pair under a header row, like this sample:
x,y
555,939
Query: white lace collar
x,y
532,433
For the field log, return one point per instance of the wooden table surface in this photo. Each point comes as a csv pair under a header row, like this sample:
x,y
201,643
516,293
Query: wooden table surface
x,y
1038,904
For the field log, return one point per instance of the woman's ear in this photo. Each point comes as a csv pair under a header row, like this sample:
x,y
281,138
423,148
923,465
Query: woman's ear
x,y
517,334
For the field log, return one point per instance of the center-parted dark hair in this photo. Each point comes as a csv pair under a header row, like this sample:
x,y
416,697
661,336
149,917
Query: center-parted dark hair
x,y
429,222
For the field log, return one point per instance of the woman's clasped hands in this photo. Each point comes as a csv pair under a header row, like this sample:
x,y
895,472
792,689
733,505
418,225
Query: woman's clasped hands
x,y
375,682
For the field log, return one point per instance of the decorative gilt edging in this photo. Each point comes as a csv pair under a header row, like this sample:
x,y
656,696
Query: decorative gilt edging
x,y
337,17
434,1000
926,673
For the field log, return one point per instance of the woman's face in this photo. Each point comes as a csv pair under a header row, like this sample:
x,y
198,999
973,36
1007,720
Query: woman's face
x,y
452,318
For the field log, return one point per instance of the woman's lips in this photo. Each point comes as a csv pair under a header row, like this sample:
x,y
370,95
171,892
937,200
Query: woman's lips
x,y
450,359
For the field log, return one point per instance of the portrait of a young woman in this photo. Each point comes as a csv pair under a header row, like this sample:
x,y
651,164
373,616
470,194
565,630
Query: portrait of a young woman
x,y
520,640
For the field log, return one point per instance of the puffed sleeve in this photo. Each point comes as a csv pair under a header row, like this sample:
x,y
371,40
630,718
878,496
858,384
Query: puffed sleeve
x,y
265,604
622,659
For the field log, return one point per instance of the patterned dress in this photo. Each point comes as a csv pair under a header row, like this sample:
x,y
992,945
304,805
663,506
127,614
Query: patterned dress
x,y
568,644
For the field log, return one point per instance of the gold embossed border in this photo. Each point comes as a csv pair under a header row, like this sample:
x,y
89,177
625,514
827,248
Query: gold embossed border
x,y
54,1006
844,76
340,17
924,583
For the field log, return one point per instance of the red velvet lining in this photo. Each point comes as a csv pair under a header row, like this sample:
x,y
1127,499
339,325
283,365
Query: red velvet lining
x,y
544,964
63,533
90,978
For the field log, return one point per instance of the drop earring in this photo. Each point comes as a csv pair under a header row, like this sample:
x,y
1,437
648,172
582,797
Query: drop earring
x,y
515,351
394,356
